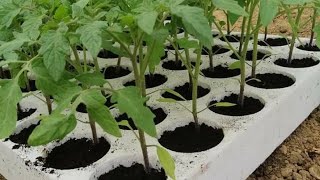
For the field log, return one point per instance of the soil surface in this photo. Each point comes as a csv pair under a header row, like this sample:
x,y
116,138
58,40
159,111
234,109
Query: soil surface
x,y
187,139
249,55
297,63
151,80
76,153
134,172
220,72
107,54
173,65
158,112
23,113
306,47
274,42
270,81
250,106
215,50
22,137
113,72
186,91
33,87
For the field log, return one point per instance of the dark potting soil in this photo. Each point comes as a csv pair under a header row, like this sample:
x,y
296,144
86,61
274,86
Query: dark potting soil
x,y
112,72
274,42
76,153
107,54
297,63
21,138
150,80
232,38
251,106
134,172
170,47
79,48
83,108
173,65
270,81
188,140
214,35
186,91
33,87
6,74
23,113
220,72
249,55
306,47
158,112
215,50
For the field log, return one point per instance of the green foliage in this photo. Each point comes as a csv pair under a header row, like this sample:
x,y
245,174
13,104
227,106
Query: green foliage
x,y
91,79
231,6
268,11
147,20
53,127
131,102
10,95
166,162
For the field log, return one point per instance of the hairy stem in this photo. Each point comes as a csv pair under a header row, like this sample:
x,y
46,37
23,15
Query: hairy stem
x,y
255,51
228,24
313,25
265,33
27,80
93,130
49,103
77,59
244,21
195,90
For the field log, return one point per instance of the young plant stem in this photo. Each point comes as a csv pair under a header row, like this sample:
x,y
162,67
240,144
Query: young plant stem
x,y
314,17
85,68
93,130
189,65
265,33
27,80
175,38
255,51
96,64
77,59
49,103
294,33
244,53
118,65
195,90
244,21
228,24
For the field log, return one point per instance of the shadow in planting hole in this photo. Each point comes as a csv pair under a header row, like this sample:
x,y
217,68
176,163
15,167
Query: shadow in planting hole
x,y
250,106
233,38
151,80
134,172
220,72
307,47
173,65
75,153
25,112
249,55
105,54
297,63
274,42
21,138
186,91
113,72
33,87
188,140
215,50
270,81
158,112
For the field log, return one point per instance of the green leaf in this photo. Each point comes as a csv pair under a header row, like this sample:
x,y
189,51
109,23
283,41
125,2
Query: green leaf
x,y
166,162
167,100
129,101
91,79
90,36
186,43
94,101
317,30
195,23
175,93
77,8
53,127
8,11
55,50
31,27
224,104
269,11
235,65
10,95
296,2
147,20
61,13
9,47
231,6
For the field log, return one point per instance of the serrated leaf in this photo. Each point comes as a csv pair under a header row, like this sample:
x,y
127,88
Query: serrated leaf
x,y
31,27
129,101
186,43
10,95
11,46
269,11
166,162
91,79
224,104
53,127
231,6
55,50
94,101
235,65
90,36
8,11
147,20
317,30
77,8
195,23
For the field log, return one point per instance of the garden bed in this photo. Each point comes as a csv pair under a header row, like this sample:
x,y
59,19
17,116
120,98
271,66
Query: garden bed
x,y
250,139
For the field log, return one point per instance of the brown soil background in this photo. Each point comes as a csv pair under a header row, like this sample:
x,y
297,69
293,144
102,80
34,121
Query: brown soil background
x,y
298,157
